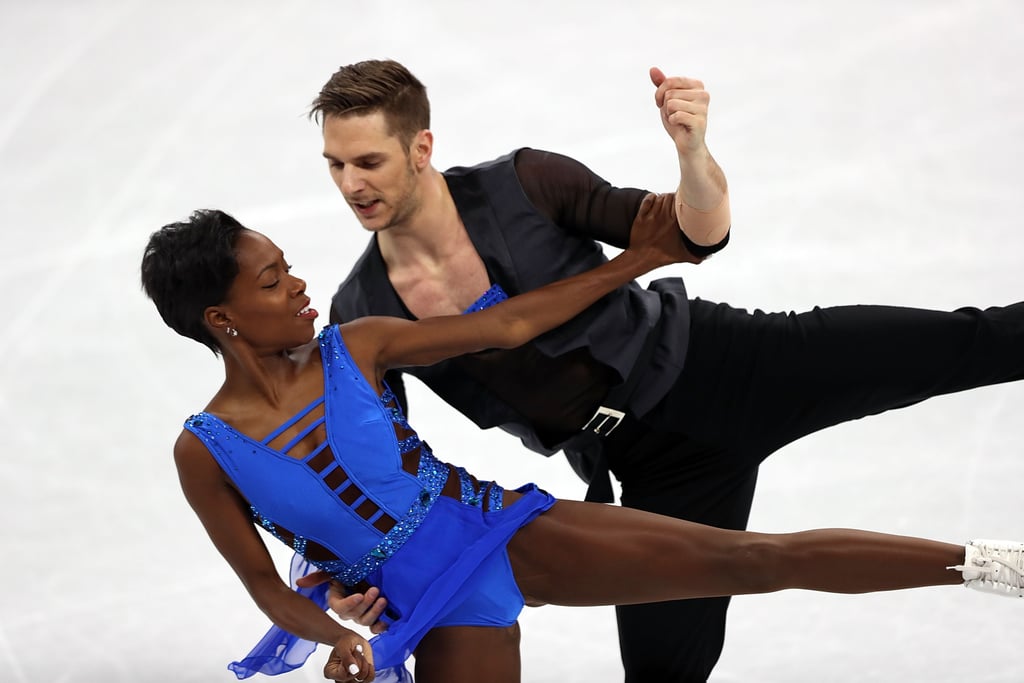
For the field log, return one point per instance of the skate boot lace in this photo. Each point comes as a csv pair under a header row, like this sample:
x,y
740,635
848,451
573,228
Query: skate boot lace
x,y
998,569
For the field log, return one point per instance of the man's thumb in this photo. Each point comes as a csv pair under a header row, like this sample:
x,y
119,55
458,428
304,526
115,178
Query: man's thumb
x,y
312,580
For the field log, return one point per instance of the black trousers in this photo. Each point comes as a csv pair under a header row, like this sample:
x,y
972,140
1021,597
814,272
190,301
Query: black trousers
x,y
754,382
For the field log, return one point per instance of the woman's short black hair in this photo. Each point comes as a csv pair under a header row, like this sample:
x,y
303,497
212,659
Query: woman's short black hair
x,y
189,266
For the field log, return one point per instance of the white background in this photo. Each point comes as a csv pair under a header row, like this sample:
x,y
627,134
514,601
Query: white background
x,y
874,155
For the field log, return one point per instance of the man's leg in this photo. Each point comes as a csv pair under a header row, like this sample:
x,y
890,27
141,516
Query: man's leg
x,y
669,474
753,383
756,382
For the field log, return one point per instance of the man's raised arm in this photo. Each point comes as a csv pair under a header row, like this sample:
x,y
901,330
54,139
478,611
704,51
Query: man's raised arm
x,y
702,198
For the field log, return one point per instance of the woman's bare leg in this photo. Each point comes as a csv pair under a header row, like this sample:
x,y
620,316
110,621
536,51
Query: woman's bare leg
x,y
592,554
469,654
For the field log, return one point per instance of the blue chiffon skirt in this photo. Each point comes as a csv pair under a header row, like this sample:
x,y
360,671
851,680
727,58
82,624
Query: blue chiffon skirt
x,y
452,543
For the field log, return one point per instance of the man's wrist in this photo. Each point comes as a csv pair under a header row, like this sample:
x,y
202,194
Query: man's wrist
x,y
702,184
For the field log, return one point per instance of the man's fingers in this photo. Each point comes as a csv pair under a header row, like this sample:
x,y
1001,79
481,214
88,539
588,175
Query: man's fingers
x,y
682,83
312,580
695,95
676,86
691,116
688,122
347,606
363,608
658,79
681,106
371,617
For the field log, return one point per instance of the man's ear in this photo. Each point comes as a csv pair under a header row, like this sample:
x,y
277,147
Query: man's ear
x,y
422,149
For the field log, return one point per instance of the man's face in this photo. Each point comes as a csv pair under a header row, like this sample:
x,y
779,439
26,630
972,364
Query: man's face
x,y
372,169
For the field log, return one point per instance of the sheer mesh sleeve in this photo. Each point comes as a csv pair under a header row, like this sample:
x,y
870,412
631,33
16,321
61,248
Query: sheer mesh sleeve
x,y
578,200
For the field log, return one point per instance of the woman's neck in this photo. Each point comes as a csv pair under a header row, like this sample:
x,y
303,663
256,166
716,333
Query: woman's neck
x,y
263,378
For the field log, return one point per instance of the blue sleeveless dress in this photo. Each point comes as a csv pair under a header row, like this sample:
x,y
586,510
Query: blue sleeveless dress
x,y
439,561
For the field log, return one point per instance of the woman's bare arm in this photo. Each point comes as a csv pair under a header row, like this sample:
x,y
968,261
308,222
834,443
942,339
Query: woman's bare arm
x,y
225,516
384,343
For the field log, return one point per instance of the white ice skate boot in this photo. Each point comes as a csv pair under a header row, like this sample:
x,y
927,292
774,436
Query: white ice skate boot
x,y
994,567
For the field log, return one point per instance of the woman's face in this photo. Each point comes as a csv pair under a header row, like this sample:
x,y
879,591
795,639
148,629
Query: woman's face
x,y
266,304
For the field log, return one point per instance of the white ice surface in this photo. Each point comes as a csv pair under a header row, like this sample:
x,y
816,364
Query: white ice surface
x,y
874,155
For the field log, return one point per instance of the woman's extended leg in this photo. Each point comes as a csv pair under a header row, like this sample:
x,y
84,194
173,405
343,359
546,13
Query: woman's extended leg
x,y
592,554
469,654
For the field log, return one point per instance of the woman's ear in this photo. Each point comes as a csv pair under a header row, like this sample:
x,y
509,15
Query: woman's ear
x,y
217,319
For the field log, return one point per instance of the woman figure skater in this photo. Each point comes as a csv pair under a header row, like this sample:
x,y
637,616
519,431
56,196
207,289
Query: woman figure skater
x,y
305,440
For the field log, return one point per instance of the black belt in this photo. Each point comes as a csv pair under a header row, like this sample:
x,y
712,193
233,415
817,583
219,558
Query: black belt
x,y
609,415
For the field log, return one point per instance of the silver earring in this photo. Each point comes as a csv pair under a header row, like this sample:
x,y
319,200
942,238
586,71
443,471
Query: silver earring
x,y
231,332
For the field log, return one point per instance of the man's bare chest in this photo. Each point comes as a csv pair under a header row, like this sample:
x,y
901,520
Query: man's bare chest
x,y
447,287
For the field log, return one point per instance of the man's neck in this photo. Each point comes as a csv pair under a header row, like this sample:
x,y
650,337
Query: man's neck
x,y
427,237
431,261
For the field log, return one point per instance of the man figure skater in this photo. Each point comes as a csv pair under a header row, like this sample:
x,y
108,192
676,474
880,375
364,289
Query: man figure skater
x,y
680,399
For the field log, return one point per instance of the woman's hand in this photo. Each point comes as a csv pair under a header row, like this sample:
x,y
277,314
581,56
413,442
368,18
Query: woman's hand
x,y
351,660
655,236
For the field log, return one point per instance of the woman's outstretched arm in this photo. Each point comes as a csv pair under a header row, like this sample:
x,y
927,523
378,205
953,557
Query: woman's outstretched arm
x,y
590,554
393,342
224,515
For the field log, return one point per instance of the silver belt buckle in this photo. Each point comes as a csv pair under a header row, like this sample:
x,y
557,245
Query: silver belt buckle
x,y
604,421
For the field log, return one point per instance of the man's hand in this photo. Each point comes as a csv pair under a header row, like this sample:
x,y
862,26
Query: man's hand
x,y
702,201
363,608
684,109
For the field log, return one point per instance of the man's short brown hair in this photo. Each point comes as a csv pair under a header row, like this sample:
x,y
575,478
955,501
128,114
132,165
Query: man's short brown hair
x,y
376,85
